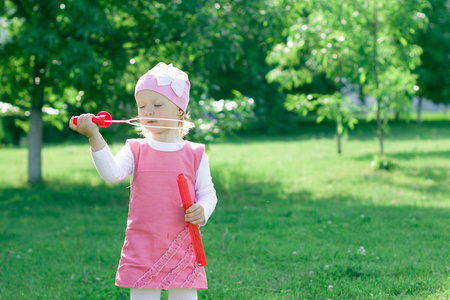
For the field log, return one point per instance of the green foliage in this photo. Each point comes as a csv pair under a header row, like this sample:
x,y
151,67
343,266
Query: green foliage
x,y
328,107
369,44
59,47
90,56
319,42
434,39
221,45
217,119
395,97
383,163
85,56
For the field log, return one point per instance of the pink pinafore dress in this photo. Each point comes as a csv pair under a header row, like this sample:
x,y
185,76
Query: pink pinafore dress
x,y
157,252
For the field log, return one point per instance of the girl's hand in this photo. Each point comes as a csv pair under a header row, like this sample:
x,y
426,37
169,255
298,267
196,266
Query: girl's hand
x,y
195,214
85,126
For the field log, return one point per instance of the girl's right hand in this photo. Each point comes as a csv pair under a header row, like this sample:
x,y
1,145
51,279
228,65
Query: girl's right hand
x,y
85,126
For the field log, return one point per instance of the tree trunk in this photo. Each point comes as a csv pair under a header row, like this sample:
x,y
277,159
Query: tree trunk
x,y
419,110
338,139
380,128
35,146
375,58
36,126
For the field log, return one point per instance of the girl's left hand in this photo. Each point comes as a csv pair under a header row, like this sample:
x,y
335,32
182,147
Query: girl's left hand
x,y
195,214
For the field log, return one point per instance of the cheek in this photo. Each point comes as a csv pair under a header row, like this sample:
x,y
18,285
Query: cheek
x,y
141,113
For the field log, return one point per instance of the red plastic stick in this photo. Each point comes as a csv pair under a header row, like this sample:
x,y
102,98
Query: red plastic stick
x,y
193,229
99,119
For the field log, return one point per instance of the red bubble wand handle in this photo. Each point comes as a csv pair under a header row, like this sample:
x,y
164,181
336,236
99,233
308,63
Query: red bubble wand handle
x,y
101,119
193,229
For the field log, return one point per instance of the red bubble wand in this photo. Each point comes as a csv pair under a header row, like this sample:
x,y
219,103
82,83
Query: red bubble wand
x,y
194,231
103,119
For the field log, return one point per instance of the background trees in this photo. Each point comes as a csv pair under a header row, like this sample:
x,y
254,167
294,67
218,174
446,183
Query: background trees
x,y
366,43
434,39
82,56
57,54
60,59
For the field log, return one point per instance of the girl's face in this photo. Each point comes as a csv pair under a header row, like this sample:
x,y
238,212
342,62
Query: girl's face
x,y
154,105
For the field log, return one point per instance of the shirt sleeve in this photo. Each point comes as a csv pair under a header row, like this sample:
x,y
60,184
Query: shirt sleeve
x,y
204,188
113,169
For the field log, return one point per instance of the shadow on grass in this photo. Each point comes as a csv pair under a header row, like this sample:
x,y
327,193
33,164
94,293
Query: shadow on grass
x,y
64,193
261,243
381,250
62,235
267,243
436,181
438,175
415,154
402,130
430,180
410,155
235,187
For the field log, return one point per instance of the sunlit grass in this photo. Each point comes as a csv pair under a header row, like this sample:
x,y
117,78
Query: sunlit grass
x,y
294,220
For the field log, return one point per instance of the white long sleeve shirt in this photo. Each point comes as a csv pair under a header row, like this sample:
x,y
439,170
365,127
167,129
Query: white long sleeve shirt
x,y
114,169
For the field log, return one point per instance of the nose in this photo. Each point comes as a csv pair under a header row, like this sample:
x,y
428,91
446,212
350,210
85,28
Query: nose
x,y
150,112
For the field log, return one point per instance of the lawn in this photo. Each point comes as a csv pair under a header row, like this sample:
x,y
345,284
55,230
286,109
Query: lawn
x,y
294,219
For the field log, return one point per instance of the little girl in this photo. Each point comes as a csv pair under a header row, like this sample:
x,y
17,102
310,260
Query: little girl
x,y
157,252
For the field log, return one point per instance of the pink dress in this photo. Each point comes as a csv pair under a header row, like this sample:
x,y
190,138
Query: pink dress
x,y
157,252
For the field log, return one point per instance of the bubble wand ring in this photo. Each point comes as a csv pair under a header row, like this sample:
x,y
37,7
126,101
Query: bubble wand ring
x,y
104,120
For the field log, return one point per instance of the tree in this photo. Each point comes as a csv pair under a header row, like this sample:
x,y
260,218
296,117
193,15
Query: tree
x,y
87,55
395,56
434,78
319,42
365,43
221,44
57,54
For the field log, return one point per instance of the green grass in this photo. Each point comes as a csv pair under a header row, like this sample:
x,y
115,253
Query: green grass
x,y
294,219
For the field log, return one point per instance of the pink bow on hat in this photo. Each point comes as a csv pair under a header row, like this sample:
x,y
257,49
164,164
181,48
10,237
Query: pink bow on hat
x,y
167,74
